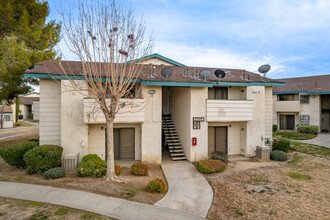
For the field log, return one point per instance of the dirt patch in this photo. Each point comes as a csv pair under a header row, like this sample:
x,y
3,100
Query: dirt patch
x,y
21,209
270,192
134,189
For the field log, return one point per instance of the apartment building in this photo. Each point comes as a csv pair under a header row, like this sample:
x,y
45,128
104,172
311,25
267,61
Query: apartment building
x,y
303,100
183,115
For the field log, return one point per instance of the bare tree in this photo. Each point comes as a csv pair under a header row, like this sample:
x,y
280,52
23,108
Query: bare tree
x,y
105,37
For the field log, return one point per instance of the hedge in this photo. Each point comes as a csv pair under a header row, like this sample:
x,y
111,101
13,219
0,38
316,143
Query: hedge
x,y
211,166
282,145
157,185
217,155
278,155
55,173
140,169
274,127
14,154
309,129
43,158
92,165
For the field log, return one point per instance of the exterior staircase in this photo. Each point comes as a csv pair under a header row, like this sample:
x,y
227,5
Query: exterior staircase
x,y
172,139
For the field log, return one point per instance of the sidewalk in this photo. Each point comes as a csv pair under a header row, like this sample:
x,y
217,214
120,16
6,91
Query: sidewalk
x,y
108,206
322,139
188,190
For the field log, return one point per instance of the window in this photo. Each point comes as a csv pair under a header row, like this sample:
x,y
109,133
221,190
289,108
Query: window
x,y
285,97
6,118
304,98
304,119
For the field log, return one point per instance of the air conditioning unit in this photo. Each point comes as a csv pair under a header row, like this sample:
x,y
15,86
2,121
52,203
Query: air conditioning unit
x,y
70,162
263,152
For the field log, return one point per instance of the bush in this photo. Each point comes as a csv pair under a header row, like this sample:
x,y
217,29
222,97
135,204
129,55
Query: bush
x,y
14,154
20,117
282,145
34,140
140,169
309,129
92,165
117,169
55,173
157,185
43,158
278,155
274,127
29,170
217,155
211,166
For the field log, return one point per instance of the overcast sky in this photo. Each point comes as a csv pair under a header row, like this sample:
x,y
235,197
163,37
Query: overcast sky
x,y
293,36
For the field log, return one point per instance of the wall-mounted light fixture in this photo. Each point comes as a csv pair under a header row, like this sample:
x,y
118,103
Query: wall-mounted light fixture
x,y
151,92
83,143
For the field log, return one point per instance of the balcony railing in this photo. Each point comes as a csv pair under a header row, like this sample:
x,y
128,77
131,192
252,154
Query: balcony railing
x,y
131,111
221,110
287,106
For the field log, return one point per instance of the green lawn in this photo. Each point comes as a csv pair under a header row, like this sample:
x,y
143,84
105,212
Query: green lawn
x,y
293,135
311,149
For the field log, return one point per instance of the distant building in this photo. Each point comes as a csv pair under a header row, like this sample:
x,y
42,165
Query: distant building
x,y
29,106
7,116
303,100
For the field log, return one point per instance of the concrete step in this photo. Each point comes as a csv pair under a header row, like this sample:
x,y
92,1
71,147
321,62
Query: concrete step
x,y
175,147
179,158
176,150
177,154
174,144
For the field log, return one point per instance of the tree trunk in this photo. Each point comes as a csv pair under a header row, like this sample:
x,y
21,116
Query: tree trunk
x,y
1,117
111,175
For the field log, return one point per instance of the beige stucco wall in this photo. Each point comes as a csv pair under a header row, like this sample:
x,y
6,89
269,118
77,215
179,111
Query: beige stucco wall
x,y
50,112
151,138
25,111
35,110
186,104
256,128
74,131
268,112
155,61
313,109
8,124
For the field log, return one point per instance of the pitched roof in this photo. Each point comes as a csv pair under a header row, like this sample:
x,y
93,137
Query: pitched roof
x,y
51,68
308,84
158,56
28,100
6,109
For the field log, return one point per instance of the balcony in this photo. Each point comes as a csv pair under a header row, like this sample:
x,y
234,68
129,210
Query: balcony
x,y
287,106
221,110
132,111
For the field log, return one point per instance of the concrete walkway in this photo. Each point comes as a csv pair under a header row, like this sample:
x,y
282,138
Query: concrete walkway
x,y
322,139
108,206
188,190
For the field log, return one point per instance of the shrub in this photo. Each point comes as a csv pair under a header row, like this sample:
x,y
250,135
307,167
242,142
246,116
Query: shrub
x,y
55,173
43,158
211,166
34,140
29,170
157,185
274,127
282,145
92,165
217,155
309,129
140,169
14,154
278,155
117,169
20,116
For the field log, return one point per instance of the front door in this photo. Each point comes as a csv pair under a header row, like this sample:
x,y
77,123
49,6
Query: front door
x,y
221,139
124,143
287,122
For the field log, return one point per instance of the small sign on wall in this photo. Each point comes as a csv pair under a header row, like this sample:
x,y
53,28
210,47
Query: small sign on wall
x,y
197,122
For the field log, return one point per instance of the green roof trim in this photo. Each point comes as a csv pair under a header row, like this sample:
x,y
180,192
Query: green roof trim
x,y
221,83
7,112
36,65
180,84
156,55
30,93
318,93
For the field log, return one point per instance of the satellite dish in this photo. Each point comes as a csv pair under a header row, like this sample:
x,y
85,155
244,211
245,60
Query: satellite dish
x,y
264,68
204,74
220,74
167,72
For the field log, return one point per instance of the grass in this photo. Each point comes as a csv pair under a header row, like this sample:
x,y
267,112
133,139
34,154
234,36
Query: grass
x,y
295,160
299,176
238,212
294,135
311,149
22,124
61,211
